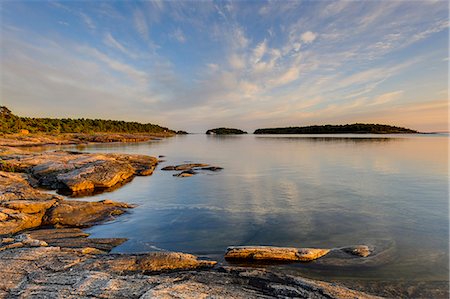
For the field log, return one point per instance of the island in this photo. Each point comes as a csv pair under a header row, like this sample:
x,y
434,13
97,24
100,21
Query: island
x,y
357,128
225,131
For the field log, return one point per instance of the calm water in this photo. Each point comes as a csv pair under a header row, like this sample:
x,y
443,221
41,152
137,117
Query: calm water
x,y
303,191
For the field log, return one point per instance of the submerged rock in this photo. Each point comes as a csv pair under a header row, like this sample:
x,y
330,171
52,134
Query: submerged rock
x,y
188,166
188,170
212,168
269,253
186,173
359,250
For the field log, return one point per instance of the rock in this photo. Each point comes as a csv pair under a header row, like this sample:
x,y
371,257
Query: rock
x,y
269,253
17,221
150,262
186,173
81,214
7,240
23,207
60,233
29,206
103,174
212,168
75,238
52,272
16,186
168,168
359,250
12,246
80,171
188,166
183,174
23,240
103,244
3,216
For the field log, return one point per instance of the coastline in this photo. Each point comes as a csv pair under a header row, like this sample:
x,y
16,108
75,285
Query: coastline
x,y
51,270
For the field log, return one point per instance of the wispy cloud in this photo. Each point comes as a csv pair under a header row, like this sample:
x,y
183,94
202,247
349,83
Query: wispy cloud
x,y
87,20
387,97
140,24
178,35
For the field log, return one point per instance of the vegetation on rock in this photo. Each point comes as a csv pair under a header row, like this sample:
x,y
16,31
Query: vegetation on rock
x,y
225,131
338,129
10,123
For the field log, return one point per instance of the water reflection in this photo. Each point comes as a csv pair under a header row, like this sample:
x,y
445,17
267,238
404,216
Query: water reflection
x,y
334,139
319,191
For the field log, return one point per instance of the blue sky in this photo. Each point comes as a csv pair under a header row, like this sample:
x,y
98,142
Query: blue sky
x,y
195,65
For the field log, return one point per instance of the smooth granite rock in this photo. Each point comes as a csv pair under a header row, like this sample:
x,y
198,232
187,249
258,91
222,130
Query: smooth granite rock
x,y
269,253
79,171
53,272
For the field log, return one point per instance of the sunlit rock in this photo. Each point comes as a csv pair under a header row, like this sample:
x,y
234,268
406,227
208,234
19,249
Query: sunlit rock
x,y
270,253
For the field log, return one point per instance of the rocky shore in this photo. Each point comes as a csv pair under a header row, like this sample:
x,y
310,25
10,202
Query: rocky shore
x,y
31,140
45,254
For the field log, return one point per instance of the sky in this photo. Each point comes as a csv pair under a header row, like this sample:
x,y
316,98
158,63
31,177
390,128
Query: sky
x,y
196,65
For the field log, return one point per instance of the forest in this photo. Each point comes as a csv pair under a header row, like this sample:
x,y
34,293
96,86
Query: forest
x,y
10,123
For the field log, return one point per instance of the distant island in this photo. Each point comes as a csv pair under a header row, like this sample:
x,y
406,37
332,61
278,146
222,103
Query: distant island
x,y
10,123
225,131
339,129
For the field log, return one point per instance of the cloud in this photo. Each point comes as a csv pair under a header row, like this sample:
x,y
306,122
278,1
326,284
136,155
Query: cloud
x,y
140,24
288,76
87,20
236,62
308,37
178,35
113,43
387,97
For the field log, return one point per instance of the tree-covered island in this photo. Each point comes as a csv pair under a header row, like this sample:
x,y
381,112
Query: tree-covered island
x,y
339,129
225,131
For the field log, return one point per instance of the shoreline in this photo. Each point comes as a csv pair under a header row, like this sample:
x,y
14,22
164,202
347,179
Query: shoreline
x,y
201,277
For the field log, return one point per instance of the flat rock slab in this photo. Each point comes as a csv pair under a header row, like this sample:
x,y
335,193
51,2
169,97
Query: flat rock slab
x,y
52,272
74,238
58,233
103,244
77,171
269,253
72,213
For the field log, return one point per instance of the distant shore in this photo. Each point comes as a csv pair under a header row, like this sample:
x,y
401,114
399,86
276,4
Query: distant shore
x,y
357,128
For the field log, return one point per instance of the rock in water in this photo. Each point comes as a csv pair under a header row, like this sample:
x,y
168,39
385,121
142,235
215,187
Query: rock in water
x,y
269,253
359,250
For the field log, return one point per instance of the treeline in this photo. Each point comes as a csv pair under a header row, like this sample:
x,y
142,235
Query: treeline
x,y
10,123
338,129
